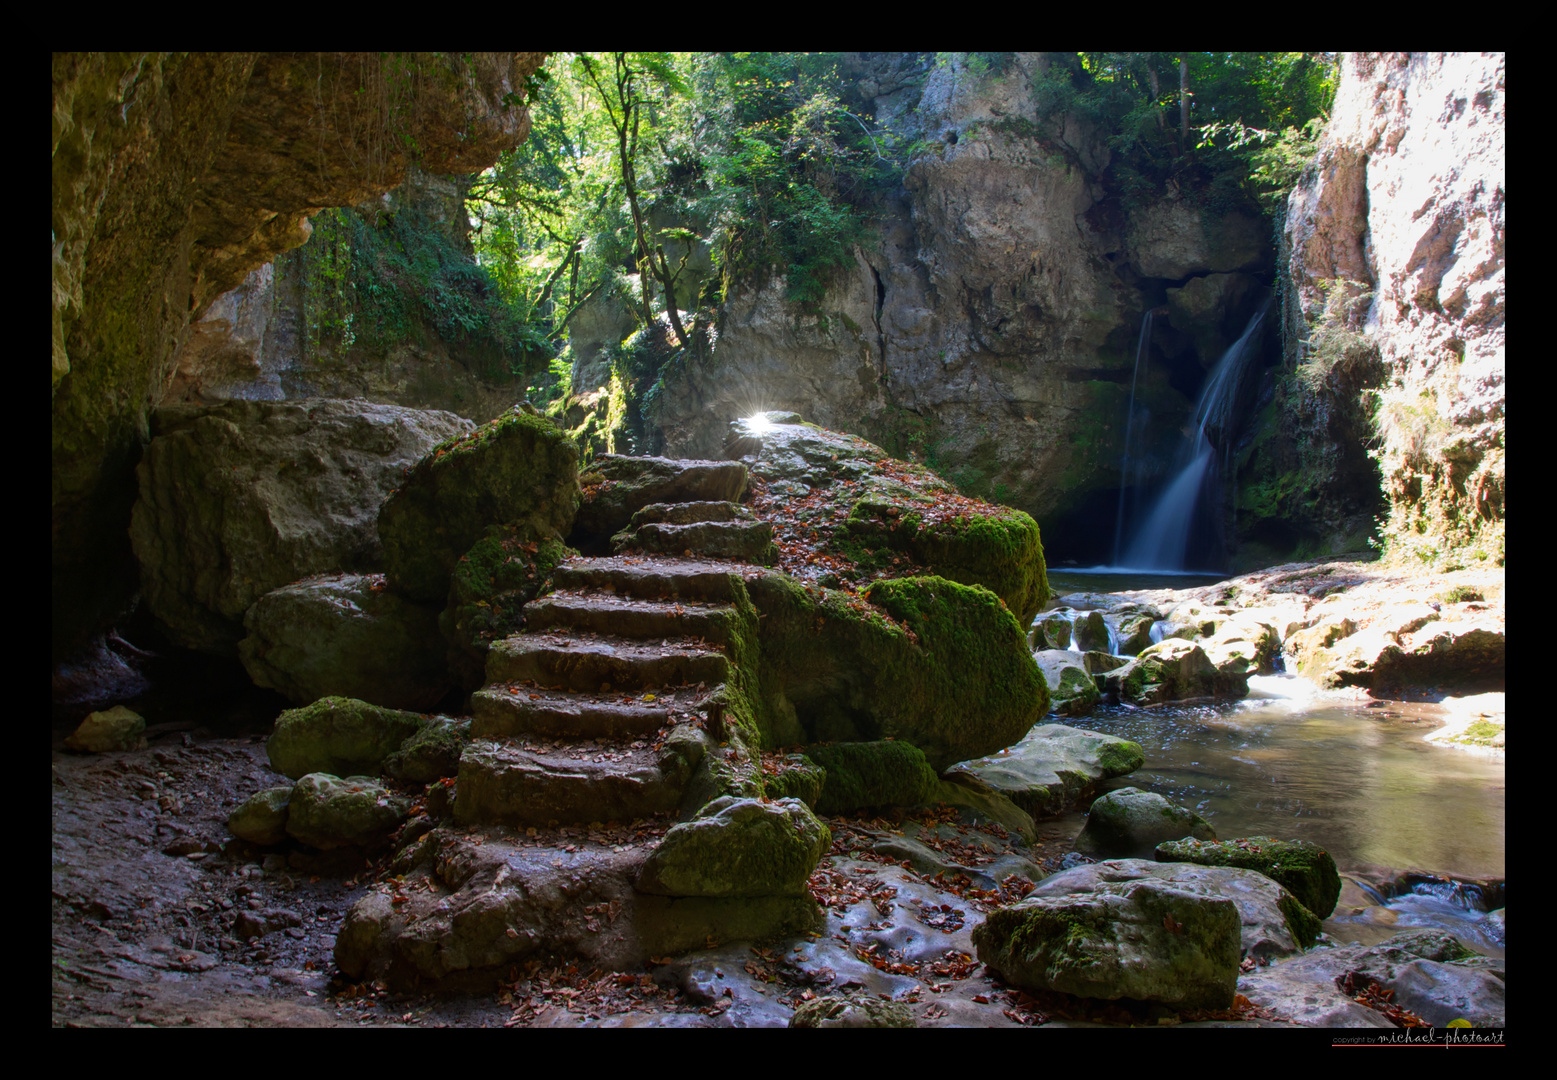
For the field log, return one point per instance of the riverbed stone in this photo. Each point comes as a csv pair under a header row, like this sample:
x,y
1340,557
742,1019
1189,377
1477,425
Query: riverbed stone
x,y
345,635
852,1011
338,735
118,728
1142,939
1053,768
332,811
738,848
1172,670
1050,632
1130,823
1072,691
262,817
1429,972
1304,869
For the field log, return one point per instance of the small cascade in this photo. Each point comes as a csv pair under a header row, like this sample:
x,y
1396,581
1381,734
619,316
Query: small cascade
x,y
1162,540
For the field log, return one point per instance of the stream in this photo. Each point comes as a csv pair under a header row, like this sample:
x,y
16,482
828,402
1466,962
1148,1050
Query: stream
x,y
1343,771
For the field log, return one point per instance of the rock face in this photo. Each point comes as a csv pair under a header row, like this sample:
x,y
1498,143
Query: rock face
x,y
1402,219
990,326
174,176
242,498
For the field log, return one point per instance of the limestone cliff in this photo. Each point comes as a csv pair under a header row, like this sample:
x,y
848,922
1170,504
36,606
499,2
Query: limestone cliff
x,y
174,176
1395,246
990,328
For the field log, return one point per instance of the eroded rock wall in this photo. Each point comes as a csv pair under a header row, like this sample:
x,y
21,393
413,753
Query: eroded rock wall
x,y
1396,241
174,177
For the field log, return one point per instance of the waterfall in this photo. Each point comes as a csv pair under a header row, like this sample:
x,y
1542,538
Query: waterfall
x,y
1131,479
1162,540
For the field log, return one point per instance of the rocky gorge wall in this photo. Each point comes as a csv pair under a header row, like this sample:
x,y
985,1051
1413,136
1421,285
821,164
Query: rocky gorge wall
x,y
990,329
174,177
1393,247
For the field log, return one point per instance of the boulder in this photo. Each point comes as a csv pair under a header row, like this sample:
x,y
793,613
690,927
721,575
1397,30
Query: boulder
x,y
432,753
738,848
1072,691
1303,869
118,728
1053,767
354,811
862,774
1172,670
262,817
338,735
1141,939
345,636
1242,647
1050,632
1273,925
799,778
1135,632
1091,631
519,469
926,661
488,588
244,497
1130,823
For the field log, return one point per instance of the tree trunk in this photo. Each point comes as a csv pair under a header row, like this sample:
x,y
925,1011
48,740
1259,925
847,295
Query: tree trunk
x,y
1183,103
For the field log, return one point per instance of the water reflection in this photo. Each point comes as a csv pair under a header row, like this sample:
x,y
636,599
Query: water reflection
x,y
1294,763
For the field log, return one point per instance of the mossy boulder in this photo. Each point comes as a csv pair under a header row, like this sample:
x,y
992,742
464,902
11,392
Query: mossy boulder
x,y
799,778
345,635
1143,939
430,754
922,660
342,736
738,848
354,811
262,817
490,584
1072,690
883,773
519,469
118,728
1051,631
1306,870
1130,823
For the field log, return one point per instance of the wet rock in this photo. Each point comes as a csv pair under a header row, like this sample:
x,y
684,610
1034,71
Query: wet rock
x,y
245,497
1172,670
1272,924
738,848
1053,768
1305,870
882,773
1130,823
330,811
1091,631
344,635
117,728
1072,690
500,783
1140,938
1050,632
1429,972
852,1011
519,469
338,735
262,818
1242,647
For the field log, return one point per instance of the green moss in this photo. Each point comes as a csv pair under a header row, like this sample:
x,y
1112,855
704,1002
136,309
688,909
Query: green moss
x,y
864,774
491,583
340,736
1304,924
1305,870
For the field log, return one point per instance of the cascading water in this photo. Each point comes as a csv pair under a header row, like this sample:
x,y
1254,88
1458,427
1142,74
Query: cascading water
x,y
1162,539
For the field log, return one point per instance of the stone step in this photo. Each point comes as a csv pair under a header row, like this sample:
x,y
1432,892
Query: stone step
x,y
658,578
750,542
688,513
603,663
607,613
520,709
510,785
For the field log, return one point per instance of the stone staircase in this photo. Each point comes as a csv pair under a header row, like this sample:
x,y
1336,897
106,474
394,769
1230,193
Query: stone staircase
x,y
611,702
